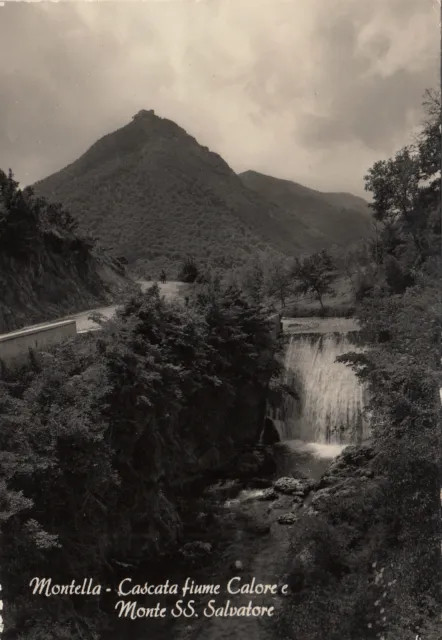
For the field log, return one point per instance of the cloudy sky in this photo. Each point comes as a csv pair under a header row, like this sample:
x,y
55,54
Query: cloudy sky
x,y
310,90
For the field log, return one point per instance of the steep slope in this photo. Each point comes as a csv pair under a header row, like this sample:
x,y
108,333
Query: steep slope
x,y
48,269
150,192
331,218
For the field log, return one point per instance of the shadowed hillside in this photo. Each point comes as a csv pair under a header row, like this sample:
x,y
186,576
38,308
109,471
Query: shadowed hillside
x,y
154,196
47,268
329,218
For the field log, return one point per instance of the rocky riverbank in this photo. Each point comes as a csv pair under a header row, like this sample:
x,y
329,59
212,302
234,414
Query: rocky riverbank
x,y
266,530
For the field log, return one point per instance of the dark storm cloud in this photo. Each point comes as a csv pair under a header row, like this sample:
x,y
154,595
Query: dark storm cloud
x,y
311,90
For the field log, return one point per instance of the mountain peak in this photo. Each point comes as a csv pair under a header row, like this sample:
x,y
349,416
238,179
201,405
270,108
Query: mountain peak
x,y
144,113
151,193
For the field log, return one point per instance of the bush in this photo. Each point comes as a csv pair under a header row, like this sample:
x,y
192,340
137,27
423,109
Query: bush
x,y
189,272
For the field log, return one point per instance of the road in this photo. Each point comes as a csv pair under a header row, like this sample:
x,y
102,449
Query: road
x,y
170,290
174,289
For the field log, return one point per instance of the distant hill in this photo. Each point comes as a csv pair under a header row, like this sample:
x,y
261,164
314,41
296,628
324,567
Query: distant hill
x,y
154,196
330,218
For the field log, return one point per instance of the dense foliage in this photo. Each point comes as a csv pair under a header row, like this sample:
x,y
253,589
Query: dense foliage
x,y
99,437
25,220
278,281
47,267
314,274
401,319
189,271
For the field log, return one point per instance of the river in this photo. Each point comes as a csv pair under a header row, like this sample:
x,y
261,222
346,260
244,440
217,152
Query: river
x,y
329,393
328,397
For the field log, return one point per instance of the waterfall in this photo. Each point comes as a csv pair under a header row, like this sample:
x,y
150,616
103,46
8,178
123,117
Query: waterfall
x,y
328,399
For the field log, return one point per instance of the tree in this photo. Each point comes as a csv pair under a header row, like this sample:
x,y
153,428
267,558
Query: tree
x,y
429,139
98,442
19,217
26,220
252,279
314,274
278,282
406,202
398,206
189,271
400,319
57,215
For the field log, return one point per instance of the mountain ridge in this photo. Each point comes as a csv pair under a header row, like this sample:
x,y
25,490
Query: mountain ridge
x,y
321,211
153,195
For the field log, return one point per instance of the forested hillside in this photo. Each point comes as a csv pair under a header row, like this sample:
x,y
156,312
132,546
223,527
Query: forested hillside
x,y
47,267
321,220
153,195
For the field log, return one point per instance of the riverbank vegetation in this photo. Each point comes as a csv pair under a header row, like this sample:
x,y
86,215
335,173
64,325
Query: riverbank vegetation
x,y
100,436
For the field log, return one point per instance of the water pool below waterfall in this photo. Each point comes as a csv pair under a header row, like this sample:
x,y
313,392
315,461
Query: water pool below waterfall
x,y
309,459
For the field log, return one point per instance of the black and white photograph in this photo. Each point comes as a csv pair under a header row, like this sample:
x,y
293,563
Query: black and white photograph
x,y
220,320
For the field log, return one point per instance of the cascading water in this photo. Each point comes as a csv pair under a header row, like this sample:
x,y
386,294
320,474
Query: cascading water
x,y
328,399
